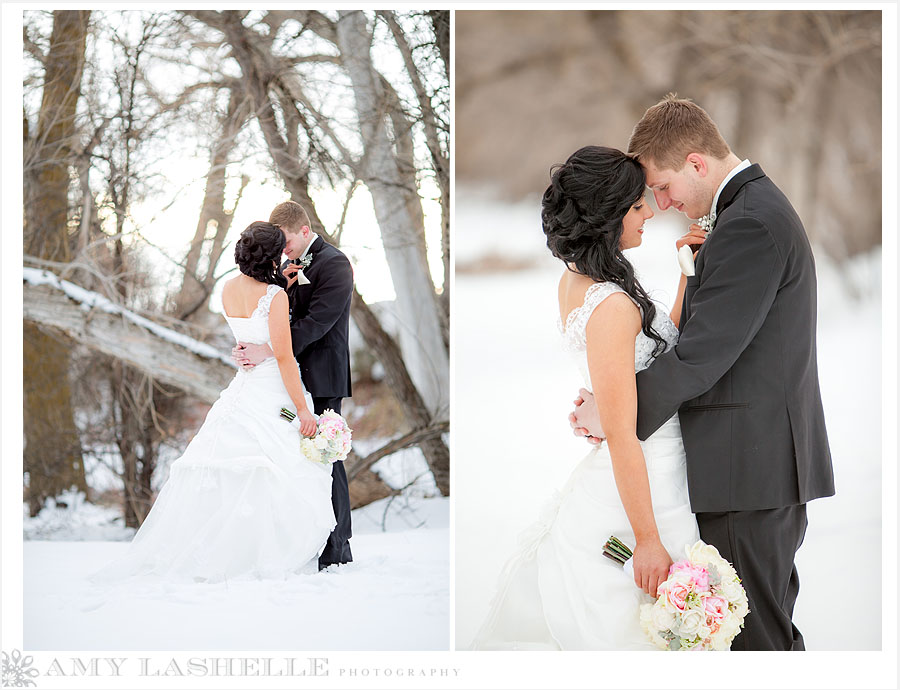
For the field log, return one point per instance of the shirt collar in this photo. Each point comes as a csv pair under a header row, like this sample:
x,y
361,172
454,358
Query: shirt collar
x,y
313,238
743,165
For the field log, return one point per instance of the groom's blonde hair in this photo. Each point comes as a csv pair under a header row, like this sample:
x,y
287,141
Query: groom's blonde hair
x,y
672,129
290,216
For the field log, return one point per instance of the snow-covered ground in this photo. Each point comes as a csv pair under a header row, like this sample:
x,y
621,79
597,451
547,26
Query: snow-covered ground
x,y
394,596
513,388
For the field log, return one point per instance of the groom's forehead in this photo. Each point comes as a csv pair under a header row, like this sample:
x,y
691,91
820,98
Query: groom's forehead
x,y
656,177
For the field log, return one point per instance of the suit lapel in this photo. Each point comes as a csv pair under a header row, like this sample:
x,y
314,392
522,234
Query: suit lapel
x,y
735,184
754,172
316,246
300,295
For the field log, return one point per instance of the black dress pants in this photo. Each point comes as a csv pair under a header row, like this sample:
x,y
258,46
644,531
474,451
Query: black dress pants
x,y
761,544
337,548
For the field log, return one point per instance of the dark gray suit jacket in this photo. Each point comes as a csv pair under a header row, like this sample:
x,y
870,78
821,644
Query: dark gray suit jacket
x,y
320,322
743,376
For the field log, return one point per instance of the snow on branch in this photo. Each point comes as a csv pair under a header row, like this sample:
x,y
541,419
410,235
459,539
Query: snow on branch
x,y
93,320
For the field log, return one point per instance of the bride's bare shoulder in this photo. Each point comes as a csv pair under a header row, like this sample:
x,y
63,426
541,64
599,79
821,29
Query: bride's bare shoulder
x,y
240,295
572,288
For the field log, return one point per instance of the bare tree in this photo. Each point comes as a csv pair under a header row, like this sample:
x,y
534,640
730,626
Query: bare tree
x,y
436,130
386,170
53,457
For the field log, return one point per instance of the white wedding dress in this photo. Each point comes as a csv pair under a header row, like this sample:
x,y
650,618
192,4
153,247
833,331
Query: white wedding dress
x,y
558,591
242,502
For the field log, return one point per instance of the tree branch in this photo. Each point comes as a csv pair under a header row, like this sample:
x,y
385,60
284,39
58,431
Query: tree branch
x,y
413,438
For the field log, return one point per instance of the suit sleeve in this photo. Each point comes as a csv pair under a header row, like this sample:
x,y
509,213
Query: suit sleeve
x,y
329,300
742,272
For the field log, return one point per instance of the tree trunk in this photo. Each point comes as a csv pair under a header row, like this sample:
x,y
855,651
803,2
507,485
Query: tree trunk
x,y
135,438
420,338
440,22
439,161
52,456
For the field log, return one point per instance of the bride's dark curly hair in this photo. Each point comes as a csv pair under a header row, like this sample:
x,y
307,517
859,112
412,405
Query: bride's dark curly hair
x,y
260,245
582,212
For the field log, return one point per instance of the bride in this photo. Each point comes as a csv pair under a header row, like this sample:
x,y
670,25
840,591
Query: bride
x,y
242,502
558,591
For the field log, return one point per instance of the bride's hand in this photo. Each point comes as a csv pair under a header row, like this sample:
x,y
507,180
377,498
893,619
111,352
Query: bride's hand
x,y
307,422
695,236
290,272
584,419
651,566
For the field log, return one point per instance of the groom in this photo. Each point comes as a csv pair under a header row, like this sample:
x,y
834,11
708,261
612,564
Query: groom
x,y
320,321
743,376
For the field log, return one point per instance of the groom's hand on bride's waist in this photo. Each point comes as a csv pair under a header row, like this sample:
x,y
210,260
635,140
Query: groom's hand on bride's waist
x,y
584,419
248,355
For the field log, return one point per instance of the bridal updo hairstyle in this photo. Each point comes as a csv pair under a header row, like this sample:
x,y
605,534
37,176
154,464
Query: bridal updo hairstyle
x,y
260,245
582,212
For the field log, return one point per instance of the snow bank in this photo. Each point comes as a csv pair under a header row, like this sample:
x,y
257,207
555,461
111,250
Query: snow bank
x,y
394,596
70,517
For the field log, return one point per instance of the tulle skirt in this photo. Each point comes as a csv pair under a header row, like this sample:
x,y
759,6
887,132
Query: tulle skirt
x,y
242,502
558,591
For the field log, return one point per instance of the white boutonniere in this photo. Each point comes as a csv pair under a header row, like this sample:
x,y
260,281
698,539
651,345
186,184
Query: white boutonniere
x,y
707,222
305,261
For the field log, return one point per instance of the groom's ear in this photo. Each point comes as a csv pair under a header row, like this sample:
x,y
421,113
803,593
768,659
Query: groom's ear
x,y
305,231
698,163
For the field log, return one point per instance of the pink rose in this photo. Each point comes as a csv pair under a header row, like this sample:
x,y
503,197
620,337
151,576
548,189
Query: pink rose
x,y
676,594
680,565
698,576
715,607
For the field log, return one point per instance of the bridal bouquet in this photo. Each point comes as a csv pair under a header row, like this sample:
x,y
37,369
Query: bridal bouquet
x,y
332,440
700,607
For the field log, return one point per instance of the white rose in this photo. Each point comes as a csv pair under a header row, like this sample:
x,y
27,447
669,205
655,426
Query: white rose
x,y
728,629
704,553
649,628
704,632
309,449
728,589
320,442
692,621
661,617
719,642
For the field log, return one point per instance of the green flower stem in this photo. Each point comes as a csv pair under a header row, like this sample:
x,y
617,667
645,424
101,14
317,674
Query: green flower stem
x,y
613,558
616,548
618,543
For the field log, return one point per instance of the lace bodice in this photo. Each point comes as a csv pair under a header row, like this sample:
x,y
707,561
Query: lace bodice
x,y
254,328
575,341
